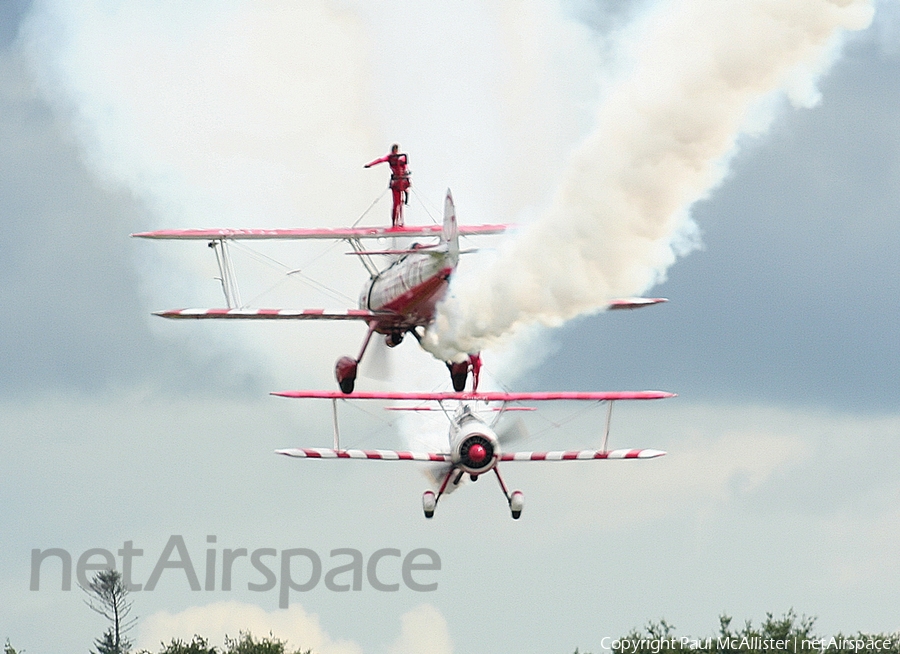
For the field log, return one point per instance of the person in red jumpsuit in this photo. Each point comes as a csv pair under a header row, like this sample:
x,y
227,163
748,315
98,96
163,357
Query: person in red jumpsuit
x,y
399,181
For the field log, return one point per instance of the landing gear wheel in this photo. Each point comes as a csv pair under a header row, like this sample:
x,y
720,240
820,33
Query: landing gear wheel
x,y
459,373
345,373
516,504
428,503
393,339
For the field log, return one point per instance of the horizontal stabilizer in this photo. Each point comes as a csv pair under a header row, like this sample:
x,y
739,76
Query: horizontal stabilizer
x,y
581,455
276,314
634,302
489,396
377,455
302,233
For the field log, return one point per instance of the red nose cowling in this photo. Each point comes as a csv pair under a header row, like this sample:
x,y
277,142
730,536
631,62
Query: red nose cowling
x,y
477,453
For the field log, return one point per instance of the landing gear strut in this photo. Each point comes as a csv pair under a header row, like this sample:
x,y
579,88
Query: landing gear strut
x,y
430,500
516,499
346,367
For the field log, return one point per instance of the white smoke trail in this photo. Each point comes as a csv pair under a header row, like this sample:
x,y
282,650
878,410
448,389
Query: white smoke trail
x,y
221,113
701,72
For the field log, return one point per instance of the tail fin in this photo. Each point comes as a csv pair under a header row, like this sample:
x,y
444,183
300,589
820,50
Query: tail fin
x,y
450,234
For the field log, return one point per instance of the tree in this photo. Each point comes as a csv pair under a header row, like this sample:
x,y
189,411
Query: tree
x,y
243,644
108,596
107,644
198,645
789,634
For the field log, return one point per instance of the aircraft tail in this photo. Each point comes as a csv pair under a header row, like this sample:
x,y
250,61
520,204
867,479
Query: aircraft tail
x,y
450,233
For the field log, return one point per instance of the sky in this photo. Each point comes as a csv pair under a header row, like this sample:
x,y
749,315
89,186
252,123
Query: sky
x,y
780,486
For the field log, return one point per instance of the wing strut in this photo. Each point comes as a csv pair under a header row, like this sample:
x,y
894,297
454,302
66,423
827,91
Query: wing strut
x,y
337,432
370,266
226,274
608,421
500,411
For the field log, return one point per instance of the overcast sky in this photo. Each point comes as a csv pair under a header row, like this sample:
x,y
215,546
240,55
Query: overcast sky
x,y
780,487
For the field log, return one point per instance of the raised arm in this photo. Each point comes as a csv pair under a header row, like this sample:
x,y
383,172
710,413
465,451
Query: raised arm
x,y
377,161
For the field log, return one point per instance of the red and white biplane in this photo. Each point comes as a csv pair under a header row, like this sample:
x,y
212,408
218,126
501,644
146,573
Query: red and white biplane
x,y
398,299
474,443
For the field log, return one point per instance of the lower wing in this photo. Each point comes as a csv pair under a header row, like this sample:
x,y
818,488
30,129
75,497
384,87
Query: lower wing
x,y
582,455
634,302
376,455
278,314
441,457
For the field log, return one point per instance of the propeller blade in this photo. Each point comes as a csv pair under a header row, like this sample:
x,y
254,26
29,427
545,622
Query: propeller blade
x,y
512,432
436,473
376,364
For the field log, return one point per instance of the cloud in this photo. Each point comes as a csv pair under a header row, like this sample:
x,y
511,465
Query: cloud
x,y
763,460
423,629
215,621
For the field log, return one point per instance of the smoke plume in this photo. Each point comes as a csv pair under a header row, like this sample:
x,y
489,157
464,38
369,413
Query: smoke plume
x,y
699,74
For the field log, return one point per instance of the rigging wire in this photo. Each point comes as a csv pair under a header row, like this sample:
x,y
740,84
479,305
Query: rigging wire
x,y
374,202
564,421
289,273
297,273
428,211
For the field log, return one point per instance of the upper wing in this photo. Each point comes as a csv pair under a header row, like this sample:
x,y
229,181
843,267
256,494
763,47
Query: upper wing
x,y
488,396
280,314
379,455
301,233
581,455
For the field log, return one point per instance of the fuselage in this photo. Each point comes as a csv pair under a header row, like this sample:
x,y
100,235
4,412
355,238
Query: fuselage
x,y
410,287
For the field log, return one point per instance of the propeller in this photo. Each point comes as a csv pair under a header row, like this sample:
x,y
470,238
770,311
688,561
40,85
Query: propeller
x,y
376,364
514,431
437,473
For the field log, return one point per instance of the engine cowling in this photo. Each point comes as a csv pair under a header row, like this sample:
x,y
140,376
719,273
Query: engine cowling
x,y
476,453
474,444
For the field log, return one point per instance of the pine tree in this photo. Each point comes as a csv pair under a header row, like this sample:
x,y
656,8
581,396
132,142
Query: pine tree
x,y
108,596
107,644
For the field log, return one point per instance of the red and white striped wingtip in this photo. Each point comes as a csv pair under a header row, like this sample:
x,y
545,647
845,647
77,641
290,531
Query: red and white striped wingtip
x,y
634,302
377,455
581,455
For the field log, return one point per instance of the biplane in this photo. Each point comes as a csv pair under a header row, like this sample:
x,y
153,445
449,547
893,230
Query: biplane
x,y
398,299
474,443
